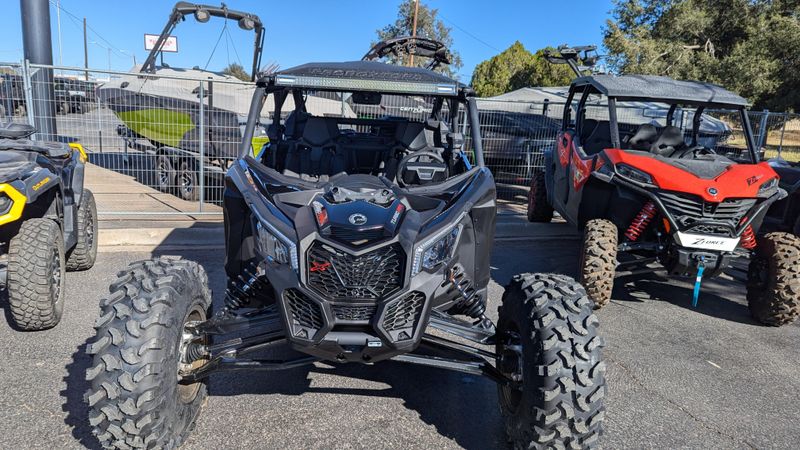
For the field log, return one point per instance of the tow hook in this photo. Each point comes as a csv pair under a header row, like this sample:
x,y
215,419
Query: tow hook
x,y
698,280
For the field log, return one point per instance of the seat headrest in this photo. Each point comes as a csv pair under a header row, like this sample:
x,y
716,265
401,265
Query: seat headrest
x,y
587,128
644,137
670,139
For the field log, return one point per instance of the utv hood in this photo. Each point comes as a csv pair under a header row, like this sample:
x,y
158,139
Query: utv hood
x,y
722,181
358,222
14,165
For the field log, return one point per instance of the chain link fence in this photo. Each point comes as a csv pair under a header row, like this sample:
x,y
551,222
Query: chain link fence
x,y
160,144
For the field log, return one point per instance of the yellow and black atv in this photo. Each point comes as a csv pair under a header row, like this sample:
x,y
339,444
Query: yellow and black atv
x,y
48,224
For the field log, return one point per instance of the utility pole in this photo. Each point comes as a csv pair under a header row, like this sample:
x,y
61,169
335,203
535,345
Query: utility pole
x,y
414,28
58,21
85,52
38,49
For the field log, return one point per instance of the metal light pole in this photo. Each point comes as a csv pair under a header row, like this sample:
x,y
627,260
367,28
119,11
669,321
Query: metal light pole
x,y
38,49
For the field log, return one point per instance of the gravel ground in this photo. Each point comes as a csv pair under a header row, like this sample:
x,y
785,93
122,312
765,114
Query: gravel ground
x,y
678,377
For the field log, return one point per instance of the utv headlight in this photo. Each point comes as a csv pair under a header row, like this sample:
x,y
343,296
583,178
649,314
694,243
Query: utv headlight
x,y
768,187
276,247
633,174
437,250
12,202
5,203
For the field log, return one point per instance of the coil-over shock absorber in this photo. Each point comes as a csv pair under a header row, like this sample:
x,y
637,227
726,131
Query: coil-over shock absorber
x,y
642,220
748,238
467,301
246,287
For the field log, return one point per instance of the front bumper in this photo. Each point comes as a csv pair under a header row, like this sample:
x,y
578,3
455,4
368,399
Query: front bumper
x,y
355,331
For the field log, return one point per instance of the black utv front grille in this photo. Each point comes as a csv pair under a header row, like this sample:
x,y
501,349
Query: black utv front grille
x,y
353,312
355,237
338,275
404,312
306,315
694,215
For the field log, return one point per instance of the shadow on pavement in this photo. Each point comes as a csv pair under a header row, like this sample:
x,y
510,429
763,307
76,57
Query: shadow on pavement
x,y
714,300
461,407
74,404
7,311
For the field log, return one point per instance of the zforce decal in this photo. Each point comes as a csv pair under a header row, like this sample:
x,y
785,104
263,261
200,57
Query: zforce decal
x,y
706,242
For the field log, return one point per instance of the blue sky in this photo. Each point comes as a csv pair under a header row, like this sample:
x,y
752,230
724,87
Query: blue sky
x,y
300,31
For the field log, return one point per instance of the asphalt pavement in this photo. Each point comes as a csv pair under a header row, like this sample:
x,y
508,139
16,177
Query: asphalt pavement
x,y
678,377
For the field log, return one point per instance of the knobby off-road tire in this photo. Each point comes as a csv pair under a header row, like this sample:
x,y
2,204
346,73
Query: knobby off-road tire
x,y
773,287
135,399
598,260
36,275
539,210
84,254
560,404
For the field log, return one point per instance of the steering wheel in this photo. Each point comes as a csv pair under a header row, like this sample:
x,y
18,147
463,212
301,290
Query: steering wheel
x,y
697,150
402,166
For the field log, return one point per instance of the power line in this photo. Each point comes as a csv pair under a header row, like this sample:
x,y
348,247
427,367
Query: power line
x,y
73,17
469,34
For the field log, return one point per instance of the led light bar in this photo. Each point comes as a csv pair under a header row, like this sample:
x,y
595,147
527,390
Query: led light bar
x,y
351,84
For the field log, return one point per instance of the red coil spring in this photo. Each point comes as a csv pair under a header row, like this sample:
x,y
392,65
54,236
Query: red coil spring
x,y
642,220
748,238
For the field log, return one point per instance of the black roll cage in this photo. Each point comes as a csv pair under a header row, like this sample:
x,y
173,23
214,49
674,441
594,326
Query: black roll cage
x,y
587,90
464,96
183,9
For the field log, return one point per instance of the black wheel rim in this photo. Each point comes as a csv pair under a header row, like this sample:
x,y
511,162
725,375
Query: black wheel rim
x,y
89,231
187,183
187,392
55,281
759,274
510,363
164,172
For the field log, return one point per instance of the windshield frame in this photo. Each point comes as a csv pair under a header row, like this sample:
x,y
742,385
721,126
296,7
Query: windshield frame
x,y
465,98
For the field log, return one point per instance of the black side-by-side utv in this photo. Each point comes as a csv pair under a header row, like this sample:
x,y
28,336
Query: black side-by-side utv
x,y
48,224
350,240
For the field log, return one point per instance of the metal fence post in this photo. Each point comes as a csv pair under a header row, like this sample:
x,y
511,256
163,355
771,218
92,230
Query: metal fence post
x,y
202,174
783,130
762,129
28,85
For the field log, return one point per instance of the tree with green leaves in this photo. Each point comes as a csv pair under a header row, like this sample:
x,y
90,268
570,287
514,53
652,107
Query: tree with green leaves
x,y
515,68
428,26
236,70
749,46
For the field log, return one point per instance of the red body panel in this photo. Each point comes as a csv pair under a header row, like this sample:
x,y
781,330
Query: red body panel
x,y
738,181
581,168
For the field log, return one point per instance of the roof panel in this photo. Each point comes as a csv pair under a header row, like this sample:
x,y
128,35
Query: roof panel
x,y
661,88
367,75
